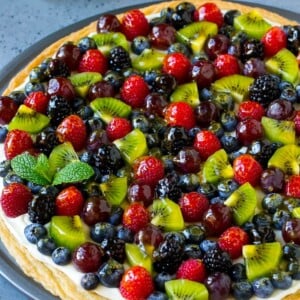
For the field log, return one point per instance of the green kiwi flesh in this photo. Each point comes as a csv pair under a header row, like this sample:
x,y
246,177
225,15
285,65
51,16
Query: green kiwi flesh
x,y
114,190
67,231
149,59
137,257
28,120
236,85
184,289
82,82
108,40
166,214
60,156
243,202
188,93
217,167
280,131
132,146
296,212
262,259
107,108
195,34
252,23
284,64
286,158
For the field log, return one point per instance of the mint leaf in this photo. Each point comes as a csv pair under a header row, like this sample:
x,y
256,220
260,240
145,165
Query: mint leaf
x,y
73,172
24,166
43,168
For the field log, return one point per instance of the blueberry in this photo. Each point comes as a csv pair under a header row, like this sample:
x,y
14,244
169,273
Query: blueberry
x,y
194,234
35,188
242,290
37,75
262,287
298,92
18,97
4,168
12,177
3,133
161,278
33,87
271,202
224,101
285,84
230,15
262,220
116,215
141,122
61,256
33,232
139,44
94,124
86,43
216,128
193,132
89,281
289,94
238,272
229,120
101,231
150,76
179,47
217,199
208,245
110,273
205,94
115,79
152,140
230,143
46,246
226,187
279,218
281,280
192,251
157,295
125,234
291,251
208,189
188,182
168,163
293,268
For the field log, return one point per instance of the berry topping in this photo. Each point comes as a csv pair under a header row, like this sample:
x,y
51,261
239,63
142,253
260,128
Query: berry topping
x,y
192,269
209,12
274,40
216,260
118,59
226,65
292,186
118,128
93,61
250,109
38,101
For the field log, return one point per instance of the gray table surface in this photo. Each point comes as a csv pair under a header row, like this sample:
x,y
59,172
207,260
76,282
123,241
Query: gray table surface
x,y
23,23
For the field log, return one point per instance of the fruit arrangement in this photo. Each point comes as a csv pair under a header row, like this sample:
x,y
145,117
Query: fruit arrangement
x,y
159,155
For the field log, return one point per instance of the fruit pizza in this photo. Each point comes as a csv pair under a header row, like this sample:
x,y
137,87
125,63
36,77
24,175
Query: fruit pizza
x,y
154,155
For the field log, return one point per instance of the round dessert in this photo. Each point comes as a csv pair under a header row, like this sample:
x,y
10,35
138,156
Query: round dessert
x,y
154,155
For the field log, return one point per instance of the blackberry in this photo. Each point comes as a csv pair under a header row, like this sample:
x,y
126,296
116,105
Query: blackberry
x,y
265,89
265,153
57,68
119,59
114,248
108,159
168,187
252,48
58,109
46,141
293,38
169,254
216,260
42,207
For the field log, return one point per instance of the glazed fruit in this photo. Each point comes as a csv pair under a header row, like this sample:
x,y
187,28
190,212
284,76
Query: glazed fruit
x,y
8,109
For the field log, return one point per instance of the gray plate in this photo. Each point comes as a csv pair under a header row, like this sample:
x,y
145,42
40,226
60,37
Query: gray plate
x,y
9,269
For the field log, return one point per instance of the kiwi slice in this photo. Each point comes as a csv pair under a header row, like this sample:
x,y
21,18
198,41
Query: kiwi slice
x,y
236,85
188,93
137,257
114,189
67,231
243,202
29,120
107,108
217,167
261,260
286,158
280,131
132,145
82,82
166,214
252,23
284,64
195,34
149,59
60,156
296,212
108,40
180,289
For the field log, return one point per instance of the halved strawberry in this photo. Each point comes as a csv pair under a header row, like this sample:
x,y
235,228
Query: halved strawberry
x,y
93,61
192,269
292,186
118,128
209,12
274,40
38,101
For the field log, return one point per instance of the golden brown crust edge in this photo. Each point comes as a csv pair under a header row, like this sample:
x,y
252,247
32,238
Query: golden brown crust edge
x,y
52,279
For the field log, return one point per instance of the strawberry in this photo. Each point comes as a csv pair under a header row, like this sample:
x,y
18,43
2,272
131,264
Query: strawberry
x,y
14,199
206,143
226,64
274,40
292,186
136,284
297,122
134,23
38,101
69,202
247,169
250,109
93,61
136,217
180,114
72,129
16,142
193,205
177,65
192,269
134,91
209,12
148,170
232,241
118,128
